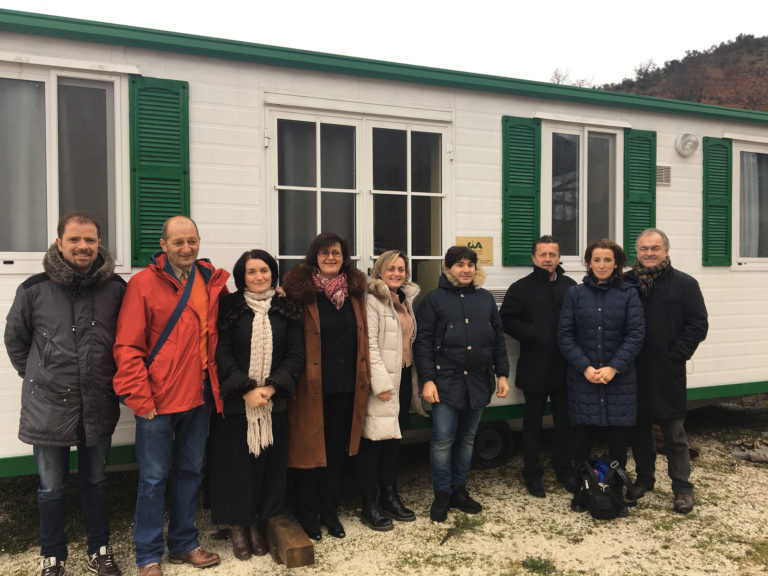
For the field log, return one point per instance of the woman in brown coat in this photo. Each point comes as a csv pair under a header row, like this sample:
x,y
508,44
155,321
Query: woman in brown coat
x,y
325,419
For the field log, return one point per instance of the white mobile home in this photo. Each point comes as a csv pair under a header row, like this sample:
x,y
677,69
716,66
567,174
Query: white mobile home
x,y
265,147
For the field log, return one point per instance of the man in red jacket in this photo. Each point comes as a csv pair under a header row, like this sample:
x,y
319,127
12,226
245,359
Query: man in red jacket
x,y
170,387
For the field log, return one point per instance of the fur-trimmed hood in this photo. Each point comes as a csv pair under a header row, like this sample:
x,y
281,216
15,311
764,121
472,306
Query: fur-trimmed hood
x,y
477,282
60,272
233,305
378,288
298,284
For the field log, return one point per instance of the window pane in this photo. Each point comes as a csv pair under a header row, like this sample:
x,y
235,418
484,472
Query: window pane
x,y
426,231
86,159
338,215
389,223
389,160
337,156
753,212
23,223
565,192
297,215
425,162
296,153
425,273
600,186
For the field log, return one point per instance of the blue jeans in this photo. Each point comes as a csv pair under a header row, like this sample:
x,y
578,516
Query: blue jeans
x,y
453,439
169,444
53,467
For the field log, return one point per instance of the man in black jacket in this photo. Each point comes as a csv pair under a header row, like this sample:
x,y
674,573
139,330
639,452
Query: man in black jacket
x,y
59,336
530,313
675,324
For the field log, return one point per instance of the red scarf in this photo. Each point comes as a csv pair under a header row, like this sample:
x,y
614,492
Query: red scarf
x,y
335,289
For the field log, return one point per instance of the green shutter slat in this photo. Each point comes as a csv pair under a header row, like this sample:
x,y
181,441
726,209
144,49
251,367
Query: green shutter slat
x,y
521,194
159,112
716,217
639,186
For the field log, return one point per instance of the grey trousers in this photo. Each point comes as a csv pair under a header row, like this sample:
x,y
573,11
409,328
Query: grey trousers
x,y
675,448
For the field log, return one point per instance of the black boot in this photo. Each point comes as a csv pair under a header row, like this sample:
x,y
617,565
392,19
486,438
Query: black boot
x,y
438,512
392,505
372,516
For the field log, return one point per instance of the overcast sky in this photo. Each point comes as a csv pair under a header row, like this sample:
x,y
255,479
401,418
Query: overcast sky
x,y
599,41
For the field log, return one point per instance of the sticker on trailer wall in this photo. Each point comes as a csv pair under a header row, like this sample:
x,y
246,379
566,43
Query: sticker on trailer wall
x,y
483,245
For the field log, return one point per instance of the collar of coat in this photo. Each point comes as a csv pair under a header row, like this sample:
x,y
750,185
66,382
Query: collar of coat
x,y
544,273
476,283
234,305
298,284
625,284
63,274
160,261
379,289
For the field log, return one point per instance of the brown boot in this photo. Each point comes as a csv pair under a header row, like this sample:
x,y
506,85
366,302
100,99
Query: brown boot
x,y
258,542
240,544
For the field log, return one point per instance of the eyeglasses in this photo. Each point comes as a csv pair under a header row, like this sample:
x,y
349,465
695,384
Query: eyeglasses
x,y
650,249
326,253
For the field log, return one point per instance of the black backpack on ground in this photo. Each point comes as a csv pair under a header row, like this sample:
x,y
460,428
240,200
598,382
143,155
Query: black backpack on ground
x,y
600,489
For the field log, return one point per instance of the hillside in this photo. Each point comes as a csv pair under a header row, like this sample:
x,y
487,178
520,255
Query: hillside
x,y
733,74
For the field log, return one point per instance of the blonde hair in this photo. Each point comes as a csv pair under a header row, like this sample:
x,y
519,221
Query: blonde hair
x,y
384,261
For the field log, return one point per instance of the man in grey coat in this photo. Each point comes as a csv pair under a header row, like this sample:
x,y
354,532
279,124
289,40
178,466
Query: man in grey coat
x,y
676,322
59,335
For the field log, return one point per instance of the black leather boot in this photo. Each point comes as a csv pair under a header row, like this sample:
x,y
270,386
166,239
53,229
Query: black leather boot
x,y
392,505
372,516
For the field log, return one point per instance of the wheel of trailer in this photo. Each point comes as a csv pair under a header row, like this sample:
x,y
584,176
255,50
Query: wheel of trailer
x,y
493,445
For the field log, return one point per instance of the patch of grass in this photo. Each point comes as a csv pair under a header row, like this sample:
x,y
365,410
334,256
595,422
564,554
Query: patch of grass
x,y
539,565
668,523
463,523
758,553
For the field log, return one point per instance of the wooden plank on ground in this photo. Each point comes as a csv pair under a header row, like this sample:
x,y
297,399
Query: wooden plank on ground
x,y
288,544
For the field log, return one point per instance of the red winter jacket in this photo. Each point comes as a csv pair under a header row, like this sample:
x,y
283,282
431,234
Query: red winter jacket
x,y
173,381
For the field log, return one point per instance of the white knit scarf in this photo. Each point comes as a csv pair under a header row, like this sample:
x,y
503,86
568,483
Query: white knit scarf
x,y
260,418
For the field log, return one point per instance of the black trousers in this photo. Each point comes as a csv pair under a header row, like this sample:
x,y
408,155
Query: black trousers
x,y
617,438
317,489
378,461
562,437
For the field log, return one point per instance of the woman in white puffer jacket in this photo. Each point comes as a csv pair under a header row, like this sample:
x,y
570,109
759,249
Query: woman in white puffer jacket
x,y
391,331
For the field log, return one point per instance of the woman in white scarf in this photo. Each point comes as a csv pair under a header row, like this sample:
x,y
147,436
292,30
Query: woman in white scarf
x,y
260,354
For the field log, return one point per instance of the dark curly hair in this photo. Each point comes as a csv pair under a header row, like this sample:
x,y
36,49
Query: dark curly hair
x,y
323,241
619,256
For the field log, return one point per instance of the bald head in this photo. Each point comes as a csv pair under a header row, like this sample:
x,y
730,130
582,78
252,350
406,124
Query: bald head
x,y
181,241
173,219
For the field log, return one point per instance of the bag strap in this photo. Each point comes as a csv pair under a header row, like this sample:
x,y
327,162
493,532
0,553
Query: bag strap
x,y
180,305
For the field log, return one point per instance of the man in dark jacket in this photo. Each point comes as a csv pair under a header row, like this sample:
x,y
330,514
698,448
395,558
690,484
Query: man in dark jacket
x,y
530,313
59,335
676,322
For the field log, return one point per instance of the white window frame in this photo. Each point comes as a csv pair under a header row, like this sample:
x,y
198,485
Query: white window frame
x,y
272,201
573,263
408,127
365,117
30,262
739,262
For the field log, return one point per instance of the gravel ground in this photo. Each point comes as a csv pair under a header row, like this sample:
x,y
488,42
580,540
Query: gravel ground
x,y
516,534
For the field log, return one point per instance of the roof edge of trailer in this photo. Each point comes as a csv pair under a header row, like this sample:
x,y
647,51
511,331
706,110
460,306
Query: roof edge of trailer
x,y
122,35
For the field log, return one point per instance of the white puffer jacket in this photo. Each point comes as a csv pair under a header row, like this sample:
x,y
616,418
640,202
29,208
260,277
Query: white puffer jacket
x,y
386,353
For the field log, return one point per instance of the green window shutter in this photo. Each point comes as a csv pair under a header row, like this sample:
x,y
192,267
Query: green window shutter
x,y
639,186
159,116
716,232
521,188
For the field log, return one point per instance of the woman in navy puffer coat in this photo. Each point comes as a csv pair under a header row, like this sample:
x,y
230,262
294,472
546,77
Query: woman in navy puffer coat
x,y
601,331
